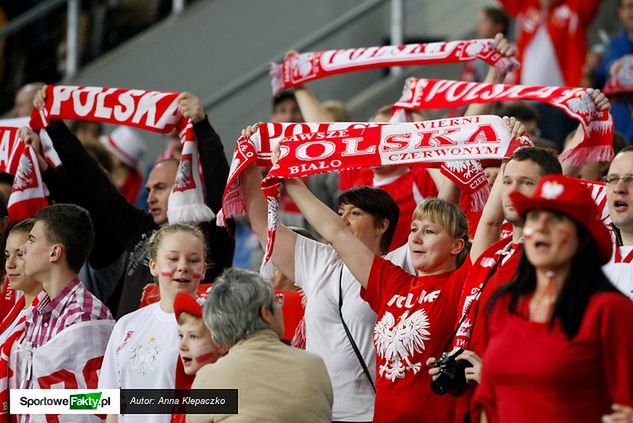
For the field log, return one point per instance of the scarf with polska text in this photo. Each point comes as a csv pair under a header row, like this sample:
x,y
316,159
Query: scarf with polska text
x,y
259,146
297,69
435,141
154,111
467,174
575,102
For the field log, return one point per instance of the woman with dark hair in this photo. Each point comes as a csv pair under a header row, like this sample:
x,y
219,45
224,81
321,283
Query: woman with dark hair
x,y
559,342
338,323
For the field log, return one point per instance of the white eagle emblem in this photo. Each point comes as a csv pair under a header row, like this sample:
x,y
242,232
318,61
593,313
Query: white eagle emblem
x,y
144,356
551,190
396,344
465,329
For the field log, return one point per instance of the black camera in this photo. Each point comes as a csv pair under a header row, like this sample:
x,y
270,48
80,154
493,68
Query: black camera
x,y
451,375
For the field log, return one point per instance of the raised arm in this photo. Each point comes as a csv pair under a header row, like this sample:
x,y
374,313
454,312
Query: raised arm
x,y
493,77
602,103
489,226
116,221
256,208
357,256
310,106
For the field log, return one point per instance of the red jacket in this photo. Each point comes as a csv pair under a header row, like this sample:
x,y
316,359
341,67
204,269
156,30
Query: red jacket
x,y
567,23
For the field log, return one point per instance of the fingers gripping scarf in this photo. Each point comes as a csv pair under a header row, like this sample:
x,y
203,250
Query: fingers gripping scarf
x,y
150,110
309,149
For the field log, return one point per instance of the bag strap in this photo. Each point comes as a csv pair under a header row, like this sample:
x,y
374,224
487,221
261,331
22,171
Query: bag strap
x,y
349,334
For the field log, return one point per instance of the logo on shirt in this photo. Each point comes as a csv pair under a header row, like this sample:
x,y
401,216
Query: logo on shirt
x,y
408,301
397,342
144,356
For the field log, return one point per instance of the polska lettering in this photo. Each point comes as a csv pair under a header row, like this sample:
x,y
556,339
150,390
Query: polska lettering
x,y
442,93
152,110
10,150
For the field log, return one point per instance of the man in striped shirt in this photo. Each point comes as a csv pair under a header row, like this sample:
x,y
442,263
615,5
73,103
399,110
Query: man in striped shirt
x,y
57,247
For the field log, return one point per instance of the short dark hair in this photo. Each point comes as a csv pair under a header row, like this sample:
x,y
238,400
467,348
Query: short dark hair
x,y
4,211
545,159
520,110
499,17
620,142
283,96
376,202
23,226
71,226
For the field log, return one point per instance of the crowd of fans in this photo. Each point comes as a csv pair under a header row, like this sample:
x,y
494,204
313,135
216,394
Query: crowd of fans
x,y
415,307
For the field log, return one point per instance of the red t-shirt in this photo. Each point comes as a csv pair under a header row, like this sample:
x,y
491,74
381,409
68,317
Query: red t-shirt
x,y
408,189
416,319
532,373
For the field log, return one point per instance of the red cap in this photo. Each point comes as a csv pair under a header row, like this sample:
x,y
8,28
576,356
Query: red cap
x,y
622,82
186,303
570,197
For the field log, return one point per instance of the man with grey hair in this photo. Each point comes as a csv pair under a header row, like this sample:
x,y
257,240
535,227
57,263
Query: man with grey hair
x,y
275,382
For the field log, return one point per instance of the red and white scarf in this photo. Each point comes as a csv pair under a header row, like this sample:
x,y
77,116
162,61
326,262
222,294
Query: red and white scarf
x,y
259,146
149,110
575,102
467,174
5,351
28,191
298,69
432,142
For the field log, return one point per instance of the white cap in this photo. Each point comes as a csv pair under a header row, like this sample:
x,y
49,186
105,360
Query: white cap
x,y
125,144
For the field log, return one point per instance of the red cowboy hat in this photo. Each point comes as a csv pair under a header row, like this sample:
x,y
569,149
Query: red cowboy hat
x,y
570,197
186,303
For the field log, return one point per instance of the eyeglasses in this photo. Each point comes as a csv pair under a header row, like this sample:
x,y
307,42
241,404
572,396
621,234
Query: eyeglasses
x,y
613,180
279,299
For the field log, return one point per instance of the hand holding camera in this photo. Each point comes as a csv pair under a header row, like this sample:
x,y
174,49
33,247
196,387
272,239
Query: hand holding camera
x,y
453,371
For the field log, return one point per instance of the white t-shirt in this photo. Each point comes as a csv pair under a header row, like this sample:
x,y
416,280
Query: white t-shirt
x,y
142,354
621,274
318,269
540,63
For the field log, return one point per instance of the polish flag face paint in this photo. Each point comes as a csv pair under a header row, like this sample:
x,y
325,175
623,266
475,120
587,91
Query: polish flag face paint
x,y
167,273
527,233
211,356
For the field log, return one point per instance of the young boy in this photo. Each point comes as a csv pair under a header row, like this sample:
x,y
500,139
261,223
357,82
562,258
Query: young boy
x,y
196,345
66,334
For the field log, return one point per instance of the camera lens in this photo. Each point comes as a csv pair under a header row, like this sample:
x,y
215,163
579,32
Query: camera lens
x,y
451,377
